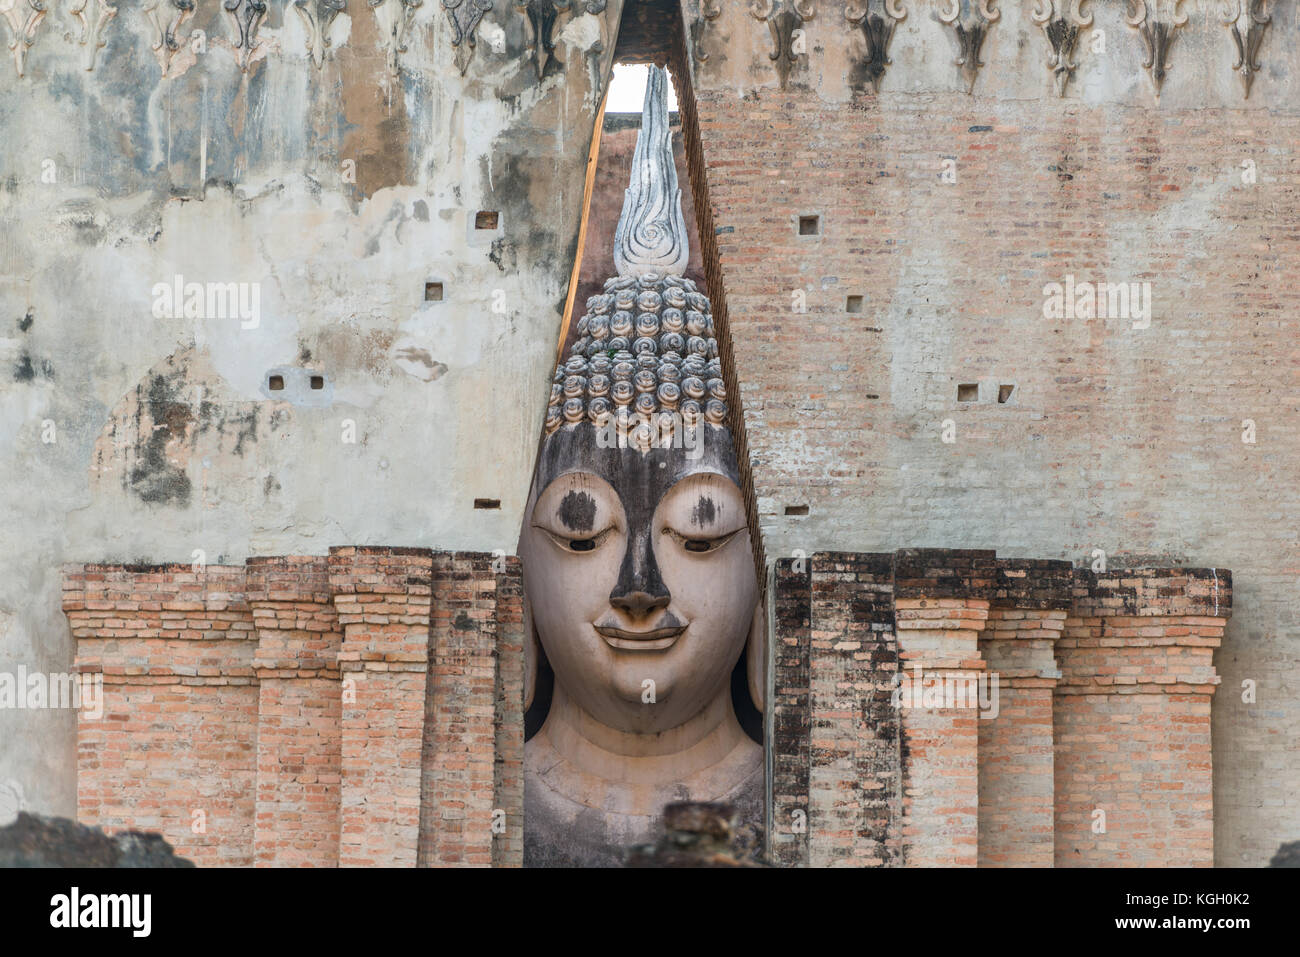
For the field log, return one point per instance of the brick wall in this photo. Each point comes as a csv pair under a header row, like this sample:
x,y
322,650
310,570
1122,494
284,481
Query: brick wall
x,y
836,798
275,713
299,712
460,720
1132,716
1113,438
1016,759
854,783
1096,695
941,601
176,748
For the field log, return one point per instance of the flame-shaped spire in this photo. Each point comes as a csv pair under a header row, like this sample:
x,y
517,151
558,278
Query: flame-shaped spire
x,y
651,234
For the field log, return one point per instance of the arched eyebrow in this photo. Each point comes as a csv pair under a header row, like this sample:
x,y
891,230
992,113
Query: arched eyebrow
x,y
704,512
577,510
708,502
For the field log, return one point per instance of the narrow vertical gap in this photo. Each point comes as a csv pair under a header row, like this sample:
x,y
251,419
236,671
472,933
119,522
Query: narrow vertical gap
x,y
593,154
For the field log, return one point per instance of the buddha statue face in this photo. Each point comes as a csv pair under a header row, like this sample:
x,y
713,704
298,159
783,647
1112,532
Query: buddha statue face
x,y
639,574
636,554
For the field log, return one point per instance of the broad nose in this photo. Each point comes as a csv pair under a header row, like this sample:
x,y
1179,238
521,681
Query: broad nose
x,y
639,603
640,589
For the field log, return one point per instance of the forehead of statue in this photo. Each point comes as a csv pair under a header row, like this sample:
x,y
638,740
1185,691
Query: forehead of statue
x,y
640,478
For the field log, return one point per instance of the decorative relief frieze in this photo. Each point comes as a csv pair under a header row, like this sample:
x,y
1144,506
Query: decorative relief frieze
x,y
878,31
710,10
23,17
971,30
1157,33
465,16
1253,17
1062,31
318,16
166,17
785,20
542,15
393,18
93,16
247,16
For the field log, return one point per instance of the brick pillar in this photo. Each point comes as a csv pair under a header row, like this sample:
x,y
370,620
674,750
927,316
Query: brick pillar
x,y
1016,811
854,792
508,780
174,748
1132,716
941,602
382,596
461,727
299,710
787,833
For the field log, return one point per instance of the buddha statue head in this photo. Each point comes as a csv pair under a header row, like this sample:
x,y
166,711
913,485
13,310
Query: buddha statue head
x,y
638,567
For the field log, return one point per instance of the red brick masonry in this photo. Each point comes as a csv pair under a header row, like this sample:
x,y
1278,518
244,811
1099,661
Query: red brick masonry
x,y
360,708
1097,748
365,708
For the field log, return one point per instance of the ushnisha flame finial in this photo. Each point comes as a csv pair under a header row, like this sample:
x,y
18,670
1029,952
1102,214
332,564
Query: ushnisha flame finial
x,y
651,234
647,345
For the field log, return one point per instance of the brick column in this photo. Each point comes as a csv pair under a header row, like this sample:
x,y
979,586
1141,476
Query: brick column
x,y
382,599
1132,716
1016,789
508,779
174,749
941,602
299,710
787,833
459,771
854,788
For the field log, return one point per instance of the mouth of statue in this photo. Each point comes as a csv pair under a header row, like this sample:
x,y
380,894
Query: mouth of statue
x,y
656,639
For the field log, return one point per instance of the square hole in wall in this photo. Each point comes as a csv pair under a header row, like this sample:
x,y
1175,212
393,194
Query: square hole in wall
x,y
318,382
968,392
486,219
275,383
433,292
487,503
853,304
810,225
1004,392
796,510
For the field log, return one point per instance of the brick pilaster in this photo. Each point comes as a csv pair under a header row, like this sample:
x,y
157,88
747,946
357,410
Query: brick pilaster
x,y
787,837
382,596
854,783
459,769
1132,717
174,749
299,712
508,780
941,602
1016,770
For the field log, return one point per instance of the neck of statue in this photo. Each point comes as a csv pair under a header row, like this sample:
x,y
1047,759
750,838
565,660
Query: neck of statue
x,y
694,748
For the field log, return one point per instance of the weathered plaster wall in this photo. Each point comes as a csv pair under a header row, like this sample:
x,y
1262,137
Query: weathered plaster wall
x,y
340,190
1114,438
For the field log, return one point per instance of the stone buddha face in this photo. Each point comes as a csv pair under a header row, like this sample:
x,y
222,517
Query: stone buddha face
x,y
638,571
639,574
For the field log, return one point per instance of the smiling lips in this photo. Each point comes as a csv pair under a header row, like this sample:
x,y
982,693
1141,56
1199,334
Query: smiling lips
x,y
656,640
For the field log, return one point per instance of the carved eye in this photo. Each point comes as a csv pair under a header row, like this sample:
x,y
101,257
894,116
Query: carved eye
x,y
700,545
582,544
